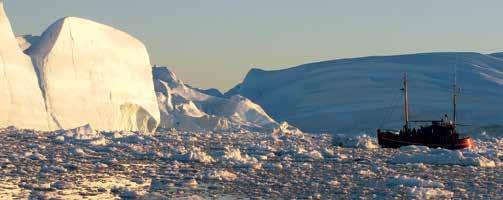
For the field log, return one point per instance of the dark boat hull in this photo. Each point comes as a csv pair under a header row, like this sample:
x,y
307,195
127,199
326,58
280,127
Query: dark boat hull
x,y
392,140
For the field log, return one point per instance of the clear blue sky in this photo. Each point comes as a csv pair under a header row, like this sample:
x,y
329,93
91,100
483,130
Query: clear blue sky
x,y
213,43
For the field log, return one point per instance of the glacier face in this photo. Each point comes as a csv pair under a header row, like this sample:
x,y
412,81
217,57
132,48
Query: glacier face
x,y
93,73
21,100
185,108
362,94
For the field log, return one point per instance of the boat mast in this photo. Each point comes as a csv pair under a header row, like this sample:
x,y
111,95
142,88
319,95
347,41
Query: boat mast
x,y
406,104
454,95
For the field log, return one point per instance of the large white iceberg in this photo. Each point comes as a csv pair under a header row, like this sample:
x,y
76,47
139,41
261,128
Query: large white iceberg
x,y
21,100
361,94
95,74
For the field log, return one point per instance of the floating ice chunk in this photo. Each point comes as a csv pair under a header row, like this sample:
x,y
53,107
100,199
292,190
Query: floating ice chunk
x,y
361,141
444,157
42,187
285,129
418,165
116,135
340,157
301,150
414,148
274,166
315,155
413,181
380,168
37,156
222,175
101,166
59,139
263,157
132,139
4,161
196,155
112,161
366,173
307,165
192,183
99,142
201,157
78,152
482,162
429,193
242,160
81,133
334,183
328,152
53,168
61,185
236,155
126,193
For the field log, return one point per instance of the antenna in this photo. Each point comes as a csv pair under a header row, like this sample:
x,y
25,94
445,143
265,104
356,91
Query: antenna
x,y
455,91
406,103
454,94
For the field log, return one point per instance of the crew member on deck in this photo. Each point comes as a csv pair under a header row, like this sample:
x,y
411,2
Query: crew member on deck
x,y
445,120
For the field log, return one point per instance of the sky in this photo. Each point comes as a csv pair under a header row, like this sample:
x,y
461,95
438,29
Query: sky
x,y
213,43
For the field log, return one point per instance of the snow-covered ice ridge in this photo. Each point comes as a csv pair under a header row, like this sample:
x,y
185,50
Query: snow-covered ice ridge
x,y
352,95
282,163
185,108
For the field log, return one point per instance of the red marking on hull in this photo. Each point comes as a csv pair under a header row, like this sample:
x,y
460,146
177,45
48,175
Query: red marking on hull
x,y
390,140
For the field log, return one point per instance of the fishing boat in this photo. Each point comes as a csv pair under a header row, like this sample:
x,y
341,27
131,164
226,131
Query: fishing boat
x,y
438,134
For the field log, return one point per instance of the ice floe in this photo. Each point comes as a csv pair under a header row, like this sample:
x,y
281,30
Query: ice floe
x,y
413,181
360,141
429,193
222,175
442,157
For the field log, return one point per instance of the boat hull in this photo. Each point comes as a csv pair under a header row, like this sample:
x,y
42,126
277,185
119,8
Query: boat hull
x,y
392,140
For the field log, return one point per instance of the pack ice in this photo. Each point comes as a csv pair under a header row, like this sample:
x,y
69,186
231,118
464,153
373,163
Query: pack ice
x,y
88,73
186,108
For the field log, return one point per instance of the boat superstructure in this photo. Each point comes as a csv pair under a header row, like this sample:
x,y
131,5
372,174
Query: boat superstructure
x,y
439,133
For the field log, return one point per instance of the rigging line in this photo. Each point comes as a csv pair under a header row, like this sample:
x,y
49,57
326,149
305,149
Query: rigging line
x,y
390,111
388,115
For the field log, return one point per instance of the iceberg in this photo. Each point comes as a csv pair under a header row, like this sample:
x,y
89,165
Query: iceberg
x,y
21,100
186,108
95,74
